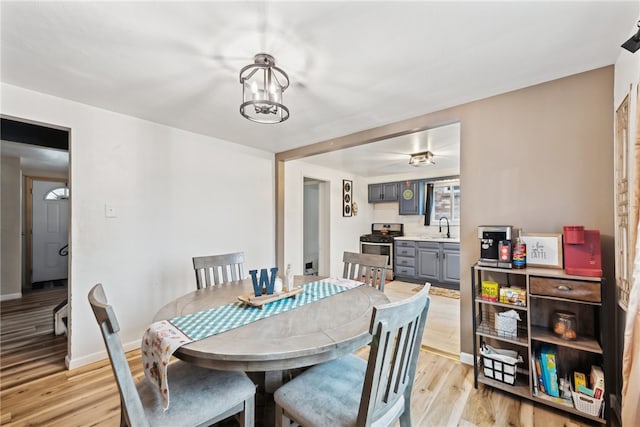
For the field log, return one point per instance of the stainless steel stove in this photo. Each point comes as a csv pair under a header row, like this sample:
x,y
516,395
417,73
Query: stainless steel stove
x,y
380,241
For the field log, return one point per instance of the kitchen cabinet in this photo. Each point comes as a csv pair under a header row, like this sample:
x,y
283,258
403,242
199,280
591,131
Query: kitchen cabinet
x,y
405,260
545,293
384,192
451,263
411,198
429,261
422,261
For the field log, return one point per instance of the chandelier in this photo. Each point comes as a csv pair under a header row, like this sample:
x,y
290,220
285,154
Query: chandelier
x,y
262,87
424,158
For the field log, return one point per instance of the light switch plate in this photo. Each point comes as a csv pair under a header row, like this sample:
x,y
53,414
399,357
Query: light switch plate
x,y
109,211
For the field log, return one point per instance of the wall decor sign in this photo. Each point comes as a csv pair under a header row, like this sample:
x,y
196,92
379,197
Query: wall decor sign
x,y
543,249
347,197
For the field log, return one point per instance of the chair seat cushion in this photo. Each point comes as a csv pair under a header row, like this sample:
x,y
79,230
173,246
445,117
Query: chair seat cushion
x,y
197,395
327,394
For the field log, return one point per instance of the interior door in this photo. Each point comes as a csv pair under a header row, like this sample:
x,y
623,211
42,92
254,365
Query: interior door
x,y
50,231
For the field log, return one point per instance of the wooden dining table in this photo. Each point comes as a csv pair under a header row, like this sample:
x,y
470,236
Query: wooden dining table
x,y
307,335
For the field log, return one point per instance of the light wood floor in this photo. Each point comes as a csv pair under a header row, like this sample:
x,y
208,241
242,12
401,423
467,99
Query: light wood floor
x,y
36,390
442,331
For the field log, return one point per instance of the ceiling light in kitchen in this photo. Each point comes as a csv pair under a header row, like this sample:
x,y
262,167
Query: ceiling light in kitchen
x,y
424,158
262,87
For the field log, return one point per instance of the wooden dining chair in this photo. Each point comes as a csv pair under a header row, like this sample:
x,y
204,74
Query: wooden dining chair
x,y
353,392
216,269
368,268
198,395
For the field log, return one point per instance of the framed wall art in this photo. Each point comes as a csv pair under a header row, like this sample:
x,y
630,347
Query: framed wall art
x,y
543,249
347,197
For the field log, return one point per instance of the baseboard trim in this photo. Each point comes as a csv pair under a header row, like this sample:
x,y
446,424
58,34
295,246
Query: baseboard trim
x,y
466,358
8,297
96,357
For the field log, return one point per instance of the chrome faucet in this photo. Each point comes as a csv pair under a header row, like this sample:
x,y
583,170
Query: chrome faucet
x,y
440,226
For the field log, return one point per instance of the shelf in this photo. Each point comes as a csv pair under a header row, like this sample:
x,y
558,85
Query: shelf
x,y
520,388
539,271
580,343
501,304
565,405
533,330
486,330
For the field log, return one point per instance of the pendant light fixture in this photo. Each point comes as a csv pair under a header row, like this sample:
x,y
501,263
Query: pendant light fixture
x,y
424,158
262,87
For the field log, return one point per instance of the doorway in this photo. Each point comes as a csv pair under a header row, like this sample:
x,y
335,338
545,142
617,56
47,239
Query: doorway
x,y
47,230
42,173
315,233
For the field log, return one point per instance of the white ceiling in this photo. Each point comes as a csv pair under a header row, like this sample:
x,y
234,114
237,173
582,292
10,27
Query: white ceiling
x,y
33,157
353,65
391,156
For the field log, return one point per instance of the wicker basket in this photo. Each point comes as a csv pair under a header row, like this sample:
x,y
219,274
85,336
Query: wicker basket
x,y
586,404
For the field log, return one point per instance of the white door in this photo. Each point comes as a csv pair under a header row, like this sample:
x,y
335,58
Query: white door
x,y
50,231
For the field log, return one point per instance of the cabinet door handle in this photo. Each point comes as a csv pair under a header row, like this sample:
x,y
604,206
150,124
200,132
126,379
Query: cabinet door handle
x,y
564,288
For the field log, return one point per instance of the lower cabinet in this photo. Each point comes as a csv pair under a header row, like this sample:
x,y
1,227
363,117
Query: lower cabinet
x,y
428,261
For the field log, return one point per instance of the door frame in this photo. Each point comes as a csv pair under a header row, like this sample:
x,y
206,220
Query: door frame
x,y
28,220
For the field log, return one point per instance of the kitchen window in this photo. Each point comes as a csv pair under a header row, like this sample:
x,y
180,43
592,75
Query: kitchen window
x,y
446,201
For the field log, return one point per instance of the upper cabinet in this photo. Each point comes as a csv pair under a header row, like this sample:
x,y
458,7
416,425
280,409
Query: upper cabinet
x,y
384,192
411,198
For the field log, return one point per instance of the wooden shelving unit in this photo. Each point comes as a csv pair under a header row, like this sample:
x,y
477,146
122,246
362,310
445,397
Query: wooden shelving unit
x,y
553,290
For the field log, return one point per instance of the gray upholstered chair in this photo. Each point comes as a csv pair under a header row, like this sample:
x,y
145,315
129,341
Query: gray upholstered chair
x,y
199,396
368,268
216,269
353,392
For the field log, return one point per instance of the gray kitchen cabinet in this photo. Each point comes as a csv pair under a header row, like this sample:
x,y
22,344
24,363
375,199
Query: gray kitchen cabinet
x,y
429,261
411,198
451,263
405,260
422,261
384,192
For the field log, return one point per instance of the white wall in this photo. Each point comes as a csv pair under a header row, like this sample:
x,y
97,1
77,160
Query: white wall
x,y
10,284
345,232
176,194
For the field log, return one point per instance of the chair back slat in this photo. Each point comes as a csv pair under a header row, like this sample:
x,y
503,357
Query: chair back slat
x,y
131,405
216,269
396,330
368,268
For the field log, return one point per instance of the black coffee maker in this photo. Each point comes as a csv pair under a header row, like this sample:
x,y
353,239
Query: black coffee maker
x,y
490,237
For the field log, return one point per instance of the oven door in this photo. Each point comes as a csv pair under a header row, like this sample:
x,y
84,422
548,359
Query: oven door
x,y
379,249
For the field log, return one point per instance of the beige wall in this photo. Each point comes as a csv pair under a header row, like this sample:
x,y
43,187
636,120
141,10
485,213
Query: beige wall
x,y
10,235
536,158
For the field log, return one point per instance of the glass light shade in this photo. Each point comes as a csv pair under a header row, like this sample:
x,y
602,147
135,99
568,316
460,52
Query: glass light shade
x,y
424,158
263,85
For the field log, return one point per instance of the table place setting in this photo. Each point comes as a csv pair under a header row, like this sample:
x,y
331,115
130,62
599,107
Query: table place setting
x,y
164,337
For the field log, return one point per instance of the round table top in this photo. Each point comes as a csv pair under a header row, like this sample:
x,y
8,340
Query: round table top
x,y
307,335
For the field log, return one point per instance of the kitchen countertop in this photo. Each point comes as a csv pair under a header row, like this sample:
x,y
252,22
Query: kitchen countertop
x,y
429,239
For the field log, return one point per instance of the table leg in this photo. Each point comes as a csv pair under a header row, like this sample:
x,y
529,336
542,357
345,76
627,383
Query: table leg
x,y
267,383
